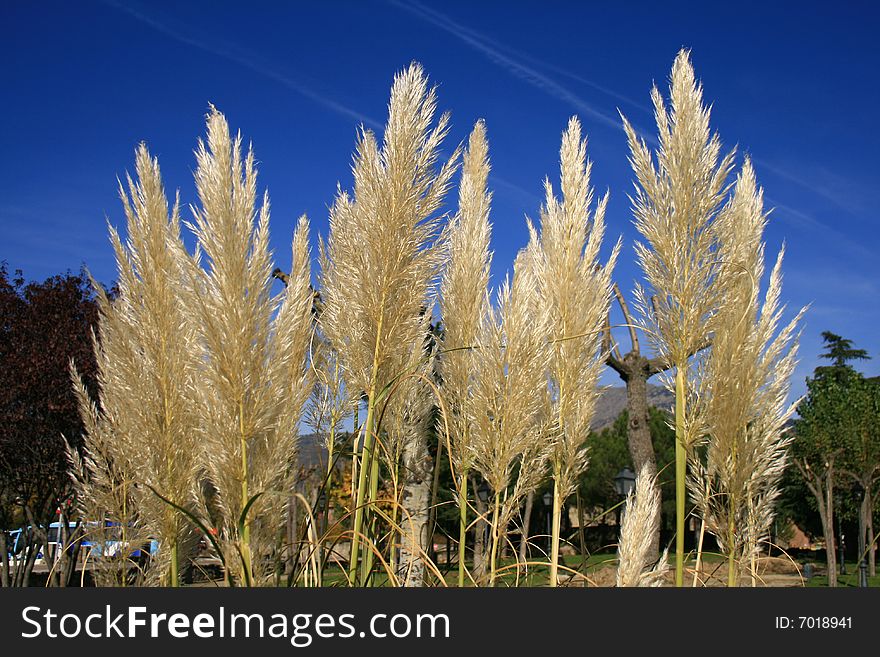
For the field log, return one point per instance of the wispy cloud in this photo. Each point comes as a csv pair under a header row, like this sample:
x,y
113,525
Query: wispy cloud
x,y
245,58
517,64
832,187
514,190
801,219
835,286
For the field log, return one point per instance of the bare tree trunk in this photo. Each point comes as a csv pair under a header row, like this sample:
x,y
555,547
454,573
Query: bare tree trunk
x,y
4,564
28,558
828,528
524,537
70,542
863,527
415,540
39,537
641,448
480,539
822,488
581,539
435,490
869,521
635,370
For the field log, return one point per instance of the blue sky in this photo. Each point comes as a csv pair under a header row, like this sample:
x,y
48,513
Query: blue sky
x,y
792,84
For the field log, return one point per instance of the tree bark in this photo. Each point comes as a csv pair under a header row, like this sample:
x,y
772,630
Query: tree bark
x,y
830,551
479,538
863,527
416,501
435,490
4,561
869,520
822,488
70,541
635,370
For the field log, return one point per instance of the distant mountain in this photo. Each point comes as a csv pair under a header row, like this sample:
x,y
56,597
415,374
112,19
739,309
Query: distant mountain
x,y
312,452
613,401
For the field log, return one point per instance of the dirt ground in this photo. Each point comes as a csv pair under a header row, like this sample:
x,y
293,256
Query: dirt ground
x,y
772,571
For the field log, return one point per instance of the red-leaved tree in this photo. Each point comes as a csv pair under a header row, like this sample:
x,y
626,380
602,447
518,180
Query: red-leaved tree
x,y
42,327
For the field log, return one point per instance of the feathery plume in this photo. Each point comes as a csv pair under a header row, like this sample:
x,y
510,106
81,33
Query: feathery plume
x,y
408,425
508,394
107,492
382,258
745,386
253,349
464,287
641,519
574,292
675,206
146,425
330,402
463,292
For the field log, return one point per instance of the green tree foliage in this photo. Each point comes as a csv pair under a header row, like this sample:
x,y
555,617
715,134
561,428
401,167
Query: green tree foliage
x,y
837,439
609,454
838,416
839,351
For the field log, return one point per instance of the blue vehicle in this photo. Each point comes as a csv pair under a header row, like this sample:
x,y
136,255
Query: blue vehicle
x,y
114,542
16,540
106,543
14,543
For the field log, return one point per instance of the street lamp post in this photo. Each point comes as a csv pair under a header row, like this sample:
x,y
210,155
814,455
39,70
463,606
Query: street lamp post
x,y
624,483
483,491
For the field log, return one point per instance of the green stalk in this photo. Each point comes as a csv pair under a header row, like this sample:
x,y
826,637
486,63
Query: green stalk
x,y
328,485
680,474
699,562
246,527
495,535
124,540
355,447
462,527
330,441
557,467
367,562
366,449
731,552
554,546
174,575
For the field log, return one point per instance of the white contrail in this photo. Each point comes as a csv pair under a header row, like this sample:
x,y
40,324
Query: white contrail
x,y
818,190
247,59
512,65
802,219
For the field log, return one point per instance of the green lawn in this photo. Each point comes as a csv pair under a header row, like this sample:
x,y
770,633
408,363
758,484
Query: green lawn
x,y
533,575
850,579
594,569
